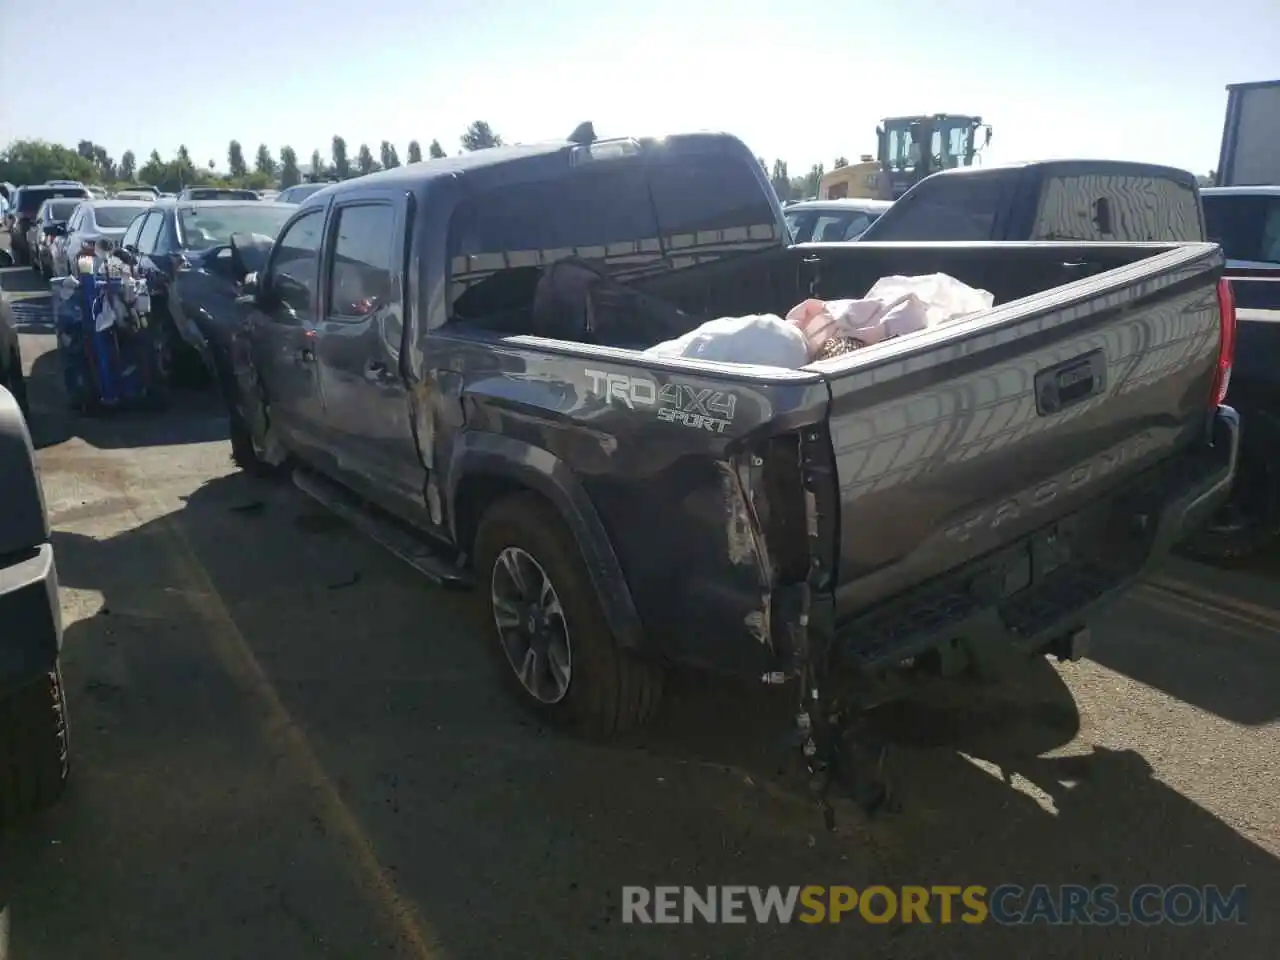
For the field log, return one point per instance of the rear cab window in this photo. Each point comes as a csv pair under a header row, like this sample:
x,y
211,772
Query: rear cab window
x,y
1117,208
635,217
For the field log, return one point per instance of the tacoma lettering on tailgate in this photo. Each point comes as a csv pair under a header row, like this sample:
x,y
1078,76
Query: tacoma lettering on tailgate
x,y
1046,491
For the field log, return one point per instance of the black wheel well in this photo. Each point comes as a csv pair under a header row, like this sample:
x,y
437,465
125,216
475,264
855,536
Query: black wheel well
x,y
476,494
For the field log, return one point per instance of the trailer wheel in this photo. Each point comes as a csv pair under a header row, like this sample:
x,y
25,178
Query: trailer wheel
x,y
34,748
551,638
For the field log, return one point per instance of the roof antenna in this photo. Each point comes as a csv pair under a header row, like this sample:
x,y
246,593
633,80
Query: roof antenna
x,y
583,133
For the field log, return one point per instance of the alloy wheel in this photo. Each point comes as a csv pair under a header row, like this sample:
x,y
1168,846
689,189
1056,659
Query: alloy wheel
x,y
531,625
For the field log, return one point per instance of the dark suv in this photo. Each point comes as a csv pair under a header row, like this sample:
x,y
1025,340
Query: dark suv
x,y
23,209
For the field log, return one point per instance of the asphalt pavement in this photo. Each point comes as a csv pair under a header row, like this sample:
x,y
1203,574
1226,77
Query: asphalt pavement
x,y
286,744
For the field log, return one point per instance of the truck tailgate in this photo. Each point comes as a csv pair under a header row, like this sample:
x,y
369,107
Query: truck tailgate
x,y
952,445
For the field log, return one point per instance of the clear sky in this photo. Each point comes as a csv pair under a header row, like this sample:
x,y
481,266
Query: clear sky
x,y
804,81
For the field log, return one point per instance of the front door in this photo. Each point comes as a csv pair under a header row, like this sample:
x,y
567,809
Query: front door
x,y
367,403
283,337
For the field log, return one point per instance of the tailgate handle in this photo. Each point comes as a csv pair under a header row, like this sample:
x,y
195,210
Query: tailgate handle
x,y
1068,383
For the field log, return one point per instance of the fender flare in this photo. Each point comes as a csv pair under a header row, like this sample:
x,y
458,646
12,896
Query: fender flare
x,y
478,454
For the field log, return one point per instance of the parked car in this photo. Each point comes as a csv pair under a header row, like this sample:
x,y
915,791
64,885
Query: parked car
x,y
51,217
22,212
217,193
12,377
1246,222
299,192
34,749
95,223
183,250
138,194
98,193
977,490
832,221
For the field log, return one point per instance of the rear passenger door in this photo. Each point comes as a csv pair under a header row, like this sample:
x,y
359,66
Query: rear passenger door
x,y
368,430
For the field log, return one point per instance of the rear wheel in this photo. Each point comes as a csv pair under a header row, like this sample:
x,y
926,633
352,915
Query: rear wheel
x,y
551,638
34,748
16,382
1249,521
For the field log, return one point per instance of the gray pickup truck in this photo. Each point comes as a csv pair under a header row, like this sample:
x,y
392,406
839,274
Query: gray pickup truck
x,y
33,717
410,353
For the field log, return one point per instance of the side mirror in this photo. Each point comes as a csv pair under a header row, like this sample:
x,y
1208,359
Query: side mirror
x,y
249,253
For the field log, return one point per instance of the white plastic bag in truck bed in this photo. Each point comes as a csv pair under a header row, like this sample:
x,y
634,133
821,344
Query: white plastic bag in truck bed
x,y
819,329
761,339
893,307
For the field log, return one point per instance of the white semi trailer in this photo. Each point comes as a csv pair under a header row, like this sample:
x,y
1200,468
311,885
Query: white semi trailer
x,y
1250,153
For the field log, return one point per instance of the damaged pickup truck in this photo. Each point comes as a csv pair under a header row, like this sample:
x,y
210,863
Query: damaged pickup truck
x,y
977,489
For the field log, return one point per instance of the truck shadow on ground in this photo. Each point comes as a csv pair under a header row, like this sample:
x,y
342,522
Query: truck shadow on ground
x,y
1224,624
514,840
194,415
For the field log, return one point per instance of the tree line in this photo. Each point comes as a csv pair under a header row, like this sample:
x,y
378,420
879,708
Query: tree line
x,y
802,187
35,161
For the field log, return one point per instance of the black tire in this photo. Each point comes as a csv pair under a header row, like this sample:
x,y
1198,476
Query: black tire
x,y
610,690
13,379
1250,522
34,748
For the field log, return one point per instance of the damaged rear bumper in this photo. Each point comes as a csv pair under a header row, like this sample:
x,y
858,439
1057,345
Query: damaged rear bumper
x,y
1048,585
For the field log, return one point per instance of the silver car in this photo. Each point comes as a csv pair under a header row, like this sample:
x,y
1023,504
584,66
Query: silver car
x,y
95,222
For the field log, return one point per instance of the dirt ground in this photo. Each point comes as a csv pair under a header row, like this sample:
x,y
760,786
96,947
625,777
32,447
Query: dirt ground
x,y
285,744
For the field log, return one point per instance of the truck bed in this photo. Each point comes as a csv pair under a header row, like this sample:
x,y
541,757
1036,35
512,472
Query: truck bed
x,y
855,483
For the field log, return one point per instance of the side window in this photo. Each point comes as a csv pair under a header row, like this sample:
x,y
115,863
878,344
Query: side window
x,y
73,223
960,207
1270,252
500,240
801,226
150,232
363,254
855,225
709,207
294,265
131,235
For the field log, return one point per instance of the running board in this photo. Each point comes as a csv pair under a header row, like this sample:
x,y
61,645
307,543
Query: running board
x,y
384,530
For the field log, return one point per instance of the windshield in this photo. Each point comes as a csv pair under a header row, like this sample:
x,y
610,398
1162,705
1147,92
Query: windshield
x,y
61,209
300,193
216,193
202,227
116,216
